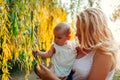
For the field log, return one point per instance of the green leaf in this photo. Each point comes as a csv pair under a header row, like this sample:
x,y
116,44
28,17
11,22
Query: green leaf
x,y
15,30
31,15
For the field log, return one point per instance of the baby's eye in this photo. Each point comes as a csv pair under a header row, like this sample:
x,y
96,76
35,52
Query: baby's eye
x,y
59,37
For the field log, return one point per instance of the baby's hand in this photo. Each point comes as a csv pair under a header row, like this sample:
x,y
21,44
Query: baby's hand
x,y
35,53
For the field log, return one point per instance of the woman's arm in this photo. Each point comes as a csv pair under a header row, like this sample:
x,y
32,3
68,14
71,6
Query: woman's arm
x,y
102,65
45,73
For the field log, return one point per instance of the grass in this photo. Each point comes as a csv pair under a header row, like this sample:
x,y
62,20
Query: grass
x,y
117,75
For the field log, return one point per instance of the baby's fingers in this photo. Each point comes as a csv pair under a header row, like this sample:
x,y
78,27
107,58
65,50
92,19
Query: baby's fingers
x,y
34,53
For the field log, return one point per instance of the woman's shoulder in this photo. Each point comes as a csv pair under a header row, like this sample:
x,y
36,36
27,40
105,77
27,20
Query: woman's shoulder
x,y
104,54
107,58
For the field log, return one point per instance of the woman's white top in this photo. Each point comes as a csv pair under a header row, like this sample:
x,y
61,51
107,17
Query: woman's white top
x,y
82,67
63,59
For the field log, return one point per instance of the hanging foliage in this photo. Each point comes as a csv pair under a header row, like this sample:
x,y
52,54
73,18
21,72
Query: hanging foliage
x,y
26,25
116,14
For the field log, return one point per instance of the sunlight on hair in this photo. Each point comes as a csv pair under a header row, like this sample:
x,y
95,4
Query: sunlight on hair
x,y
108,10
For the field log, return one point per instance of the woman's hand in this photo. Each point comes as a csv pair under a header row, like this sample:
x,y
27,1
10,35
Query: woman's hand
x,y
78,49
44,73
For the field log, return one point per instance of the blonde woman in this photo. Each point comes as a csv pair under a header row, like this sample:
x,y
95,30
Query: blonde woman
x,y
96,59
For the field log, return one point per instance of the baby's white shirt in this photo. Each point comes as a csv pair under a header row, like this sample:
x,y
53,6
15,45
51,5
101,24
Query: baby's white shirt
x,y
63,59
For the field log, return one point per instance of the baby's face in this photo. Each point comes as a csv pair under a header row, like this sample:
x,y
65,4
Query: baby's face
x,y
59,38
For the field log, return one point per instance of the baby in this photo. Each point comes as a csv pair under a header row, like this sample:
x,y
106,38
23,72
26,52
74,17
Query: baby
x,y
62,51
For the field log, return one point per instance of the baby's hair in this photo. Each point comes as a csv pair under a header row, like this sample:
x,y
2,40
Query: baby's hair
x,y
64,27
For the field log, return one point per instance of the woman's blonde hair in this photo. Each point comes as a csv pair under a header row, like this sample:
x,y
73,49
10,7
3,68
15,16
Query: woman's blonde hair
x,y
94,31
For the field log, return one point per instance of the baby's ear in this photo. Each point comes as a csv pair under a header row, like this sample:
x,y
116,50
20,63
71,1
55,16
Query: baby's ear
x,y
68,37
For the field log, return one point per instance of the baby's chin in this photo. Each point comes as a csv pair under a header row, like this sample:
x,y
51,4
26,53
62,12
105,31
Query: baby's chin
x,y
60,44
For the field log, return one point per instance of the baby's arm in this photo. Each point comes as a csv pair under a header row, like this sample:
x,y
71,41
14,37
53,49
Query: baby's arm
x,y
47,54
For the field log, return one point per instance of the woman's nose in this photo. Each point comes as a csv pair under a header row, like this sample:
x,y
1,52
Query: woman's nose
x,y
76,34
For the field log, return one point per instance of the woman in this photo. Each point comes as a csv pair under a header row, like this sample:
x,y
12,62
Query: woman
x,y
96,55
